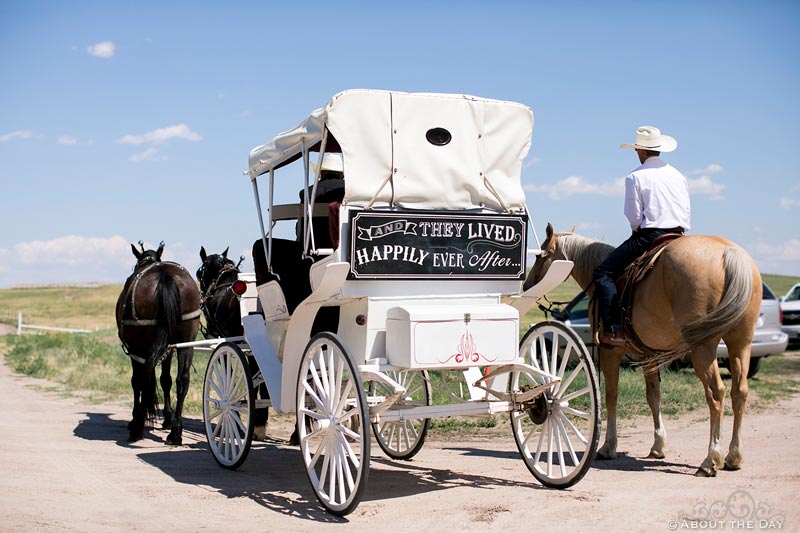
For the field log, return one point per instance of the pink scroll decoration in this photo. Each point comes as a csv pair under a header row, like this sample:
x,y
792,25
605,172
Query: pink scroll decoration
x,y
467,350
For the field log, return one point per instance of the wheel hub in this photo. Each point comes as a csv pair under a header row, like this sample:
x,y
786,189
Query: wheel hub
x,y
539,410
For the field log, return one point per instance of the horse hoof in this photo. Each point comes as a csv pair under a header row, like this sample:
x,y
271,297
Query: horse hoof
x,y
655,455
606,455
260,433
294,440
174,441
732,467
705,472
133,437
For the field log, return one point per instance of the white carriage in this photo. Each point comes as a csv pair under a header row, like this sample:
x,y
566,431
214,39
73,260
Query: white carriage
x,y
425,280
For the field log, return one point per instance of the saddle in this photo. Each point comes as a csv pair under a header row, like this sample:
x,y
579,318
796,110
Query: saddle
x,y
626,285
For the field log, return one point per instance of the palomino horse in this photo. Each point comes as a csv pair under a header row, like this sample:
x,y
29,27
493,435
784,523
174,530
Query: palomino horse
x,y
223,314
159,306
701,289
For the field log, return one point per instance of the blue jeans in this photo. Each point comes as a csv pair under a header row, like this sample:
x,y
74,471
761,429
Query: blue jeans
x,y
605,290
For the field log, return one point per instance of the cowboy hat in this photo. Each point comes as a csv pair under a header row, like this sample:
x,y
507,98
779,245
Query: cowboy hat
x,y
331,161
651,138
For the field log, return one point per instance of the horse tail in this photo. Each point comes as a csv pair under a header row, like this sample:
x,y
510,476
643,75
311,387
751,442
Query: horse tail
x,y
168,317
736,295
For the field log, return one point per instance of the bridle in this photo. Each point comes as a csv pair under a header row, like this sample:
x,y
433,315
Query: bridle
x,y
217,289
227,267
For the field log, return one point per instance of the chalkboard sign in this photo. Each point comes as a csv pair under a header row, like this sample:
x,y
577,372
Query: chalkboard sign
x,y
422,245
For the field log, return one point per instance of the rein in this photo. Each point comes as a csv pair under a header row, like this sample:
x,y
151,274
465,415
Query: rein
x,y
211,292
215,285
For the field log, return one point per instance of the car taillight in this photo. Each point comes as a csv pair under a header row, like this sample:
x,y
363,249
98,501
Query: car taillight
x,y
780,314
239,287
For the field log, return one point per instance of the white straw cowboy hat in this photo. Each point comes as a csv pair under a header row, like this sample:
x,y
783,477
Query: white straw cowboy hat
x,y
651,138
331,161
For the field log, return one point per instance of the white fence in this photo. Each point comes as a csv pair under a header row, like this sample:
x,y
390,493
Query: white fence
x,y
21,327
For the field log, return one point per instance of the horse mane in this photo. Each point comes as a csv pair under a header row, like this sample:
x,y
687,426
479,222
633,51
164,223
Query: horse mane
x,y
586,253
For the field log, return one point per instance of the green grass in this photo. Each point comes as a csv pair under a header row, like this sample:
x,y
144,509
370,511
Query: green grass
x,y
92,364
780,285
82,362
73,307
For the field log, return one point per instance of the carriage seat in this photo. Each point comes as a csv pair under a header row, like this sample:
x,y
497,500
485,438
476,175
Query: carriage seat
x,y
325,228
289,265
293,278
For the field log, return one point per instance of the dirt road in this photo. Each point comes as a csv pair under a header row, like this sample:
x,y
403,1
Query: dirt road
x,y
67,466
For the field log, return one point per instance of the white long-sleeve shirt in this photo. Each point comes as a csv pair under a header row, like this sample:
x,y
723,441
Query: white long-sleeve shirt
x,y
657,196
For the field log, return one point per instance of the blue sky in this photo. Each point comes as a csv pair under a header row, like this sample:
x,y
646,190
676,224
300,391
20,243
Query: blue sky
x,y
128,121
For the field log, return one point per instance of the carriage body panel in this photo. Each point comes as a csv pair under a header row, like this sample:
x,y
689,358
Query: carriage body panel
x,y
444,336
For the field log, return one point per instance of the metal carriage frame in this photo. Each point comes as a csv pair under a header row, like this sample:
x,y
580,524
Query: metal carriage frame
x,y
404,155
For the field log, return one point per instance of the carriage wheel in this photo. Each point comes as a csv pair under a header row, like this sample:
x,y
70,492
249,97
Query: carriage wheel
x,y
557,433
404,438
228,406
332,423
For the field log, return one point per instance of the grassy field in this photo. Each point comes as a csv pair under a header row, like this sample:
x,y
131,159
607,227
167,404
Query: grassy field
x,y
95,364
71,307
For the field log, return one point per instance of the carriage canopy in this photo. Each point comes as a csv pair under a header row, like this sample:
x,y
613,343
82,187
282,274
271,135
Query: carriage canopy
x,y
415,150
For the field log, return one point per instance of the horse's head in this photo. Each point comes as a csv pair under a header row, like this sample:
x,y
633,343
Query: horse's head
x,y
146,257
549,253
213,265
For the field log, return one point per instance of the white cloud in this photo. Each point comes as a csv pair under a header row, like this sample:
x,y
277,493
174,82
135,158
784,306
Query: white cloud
x,y
160,135
706,187
584,226
777,258
713,168
573,185
528,163
67,139
80,259
17,134
69,250
788,203
104,49
151,154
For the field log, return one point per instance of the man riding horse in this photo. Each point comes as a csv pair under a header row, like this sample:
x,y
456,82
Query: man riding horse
x,y
656,203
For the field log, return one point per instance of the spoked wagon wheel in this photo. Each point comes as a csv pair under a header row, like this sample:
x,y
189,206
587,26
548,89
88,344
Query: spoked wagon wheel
x,y
228,406
333,424
557,433
404,438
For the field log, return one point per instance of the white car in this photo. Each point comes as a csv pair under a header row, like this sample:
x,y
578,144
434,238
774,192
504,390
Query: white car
x,y
768,340
791,313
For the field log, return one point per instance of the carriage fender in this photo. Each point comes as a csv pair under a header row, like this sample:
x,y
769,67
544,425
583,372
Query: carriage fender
x,y
299,330
558,272
255,331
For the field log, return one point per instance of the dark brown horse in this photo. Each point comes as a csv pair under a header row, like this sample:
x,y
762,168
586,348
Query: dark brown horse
x,y
701,289
159,306
222,314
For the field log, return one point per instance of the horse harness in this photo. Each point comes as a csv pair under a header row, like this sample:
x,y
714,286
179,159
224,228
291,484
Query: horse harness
x,y
135,320
211,291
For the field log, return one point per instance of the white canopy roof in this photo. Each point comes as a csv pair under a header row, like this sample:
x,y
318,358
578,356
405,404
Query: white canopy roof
x,y
389,160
